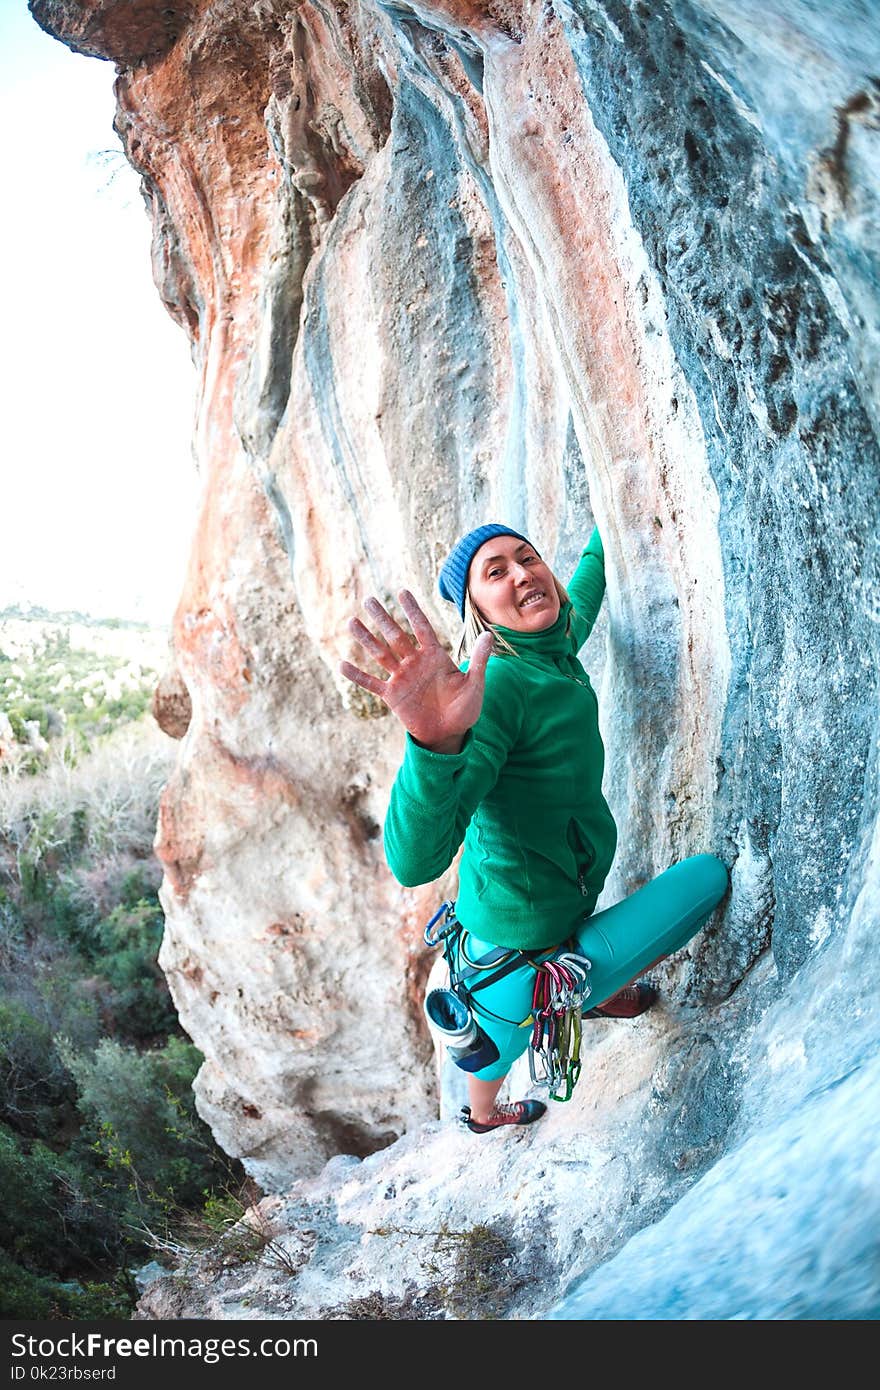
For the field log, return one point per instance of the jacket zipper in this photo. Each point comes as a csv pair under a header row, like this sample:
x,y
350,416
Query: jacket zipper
x,y
583,868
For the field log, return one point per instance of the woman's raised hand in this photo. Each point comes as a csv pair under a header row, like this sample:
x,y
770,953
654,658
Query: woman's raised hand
x,y
433,700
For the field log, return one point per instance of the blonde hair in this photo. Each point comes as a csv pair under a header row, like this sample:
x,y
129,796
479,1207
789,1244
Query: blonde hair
x,y
475,624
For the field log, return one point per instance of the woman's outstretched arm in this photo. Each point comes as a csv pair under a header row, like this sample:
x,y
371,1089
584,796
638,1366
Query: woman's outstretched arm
x,y
587,587
435,795
460,726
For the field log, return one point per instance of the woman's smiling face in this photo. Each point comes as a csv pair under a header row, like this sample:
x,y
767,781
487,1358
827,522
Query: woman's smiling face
x,y
511,585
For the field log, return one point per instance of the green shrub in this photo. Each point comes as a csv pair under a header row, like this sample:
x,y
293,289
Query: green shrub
x,y
71,917
26,1295
33,1081
121,948
135,926
141,1110
136,885
68,1002
126,947
16,719
94,1301
60,1214
139,1000
23,1294
29,1216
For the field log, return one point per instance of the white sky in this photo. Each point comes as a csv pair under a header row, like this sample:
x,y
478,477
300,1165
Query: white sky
x,y
97,484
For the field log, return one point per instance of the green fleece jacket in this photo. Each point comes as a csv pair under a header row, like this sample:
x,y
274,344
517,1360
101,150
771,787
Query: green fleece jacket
x,y
524,793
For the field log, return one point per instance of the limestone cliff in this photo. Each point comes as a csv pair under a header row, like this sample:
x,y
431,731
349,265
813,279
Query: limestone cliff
x,y
544,260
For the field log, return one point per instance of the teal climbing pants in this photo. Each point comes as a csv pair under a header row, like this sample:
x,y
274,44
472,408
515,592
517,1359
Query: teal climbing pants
x,y
619,942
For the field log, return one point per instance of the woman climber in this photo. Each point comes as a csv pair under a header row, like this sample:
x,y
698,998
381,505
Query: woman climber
x,y
505,754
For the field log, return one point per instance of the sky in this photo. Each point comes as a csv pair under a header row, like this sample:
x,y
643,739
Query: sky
x,y
98,488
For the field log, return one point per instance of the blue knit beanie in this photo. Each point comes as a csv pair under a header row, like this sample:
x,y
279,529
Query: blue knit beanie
x,y
453,576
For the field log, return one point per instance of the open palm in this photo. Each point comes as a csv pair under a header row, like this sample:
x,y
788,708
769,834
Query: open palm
x,y
435,701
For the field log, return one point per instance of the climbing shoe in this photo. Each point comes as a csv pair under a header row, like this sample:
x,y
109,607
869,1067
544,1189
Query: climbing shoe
x,y
520,1112
628,1002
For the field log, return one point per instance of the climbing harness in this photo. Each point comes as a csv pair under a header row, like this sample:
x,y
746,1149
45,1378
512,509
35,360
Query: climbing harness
x,y
560,991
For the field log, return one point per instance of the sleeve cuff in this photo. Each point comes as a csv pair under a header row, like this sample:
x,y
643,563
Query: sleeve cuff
x,y
428,763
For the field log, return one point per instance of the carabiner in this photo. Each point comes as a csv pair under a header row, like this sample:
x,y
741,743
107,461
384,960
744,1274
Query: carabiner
x,y
539,1078
445,909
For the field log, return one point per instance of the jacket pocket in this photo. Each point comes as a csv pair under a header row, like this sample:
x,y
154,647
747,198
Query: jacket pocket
x,y
583,853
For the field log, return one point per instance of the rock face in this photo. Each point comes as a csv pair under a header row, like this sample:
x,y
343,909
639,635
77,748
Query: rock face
x,y
171,705
542,261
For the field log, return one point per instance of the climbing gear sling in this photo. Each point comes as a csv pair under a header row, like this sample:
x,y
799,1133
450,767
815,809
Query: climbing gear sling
x,y
560,990
557,1005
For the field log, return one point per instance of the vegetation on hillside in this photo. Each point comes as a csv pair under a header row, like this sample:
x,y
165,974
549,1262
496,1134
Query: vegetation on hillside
x,y
36,612
51,691
101,1150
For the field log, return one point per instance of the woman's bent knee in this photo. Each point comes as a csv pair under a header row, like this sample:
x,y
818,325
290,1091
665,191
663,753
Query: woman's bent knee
x,y
710,875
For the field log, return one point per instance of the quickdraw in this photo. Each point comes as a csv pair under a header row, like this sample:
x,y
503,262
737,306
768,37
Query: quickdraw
x,y
560,991
559,994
